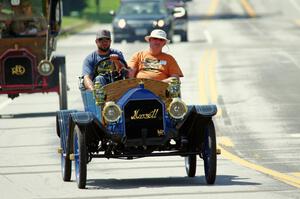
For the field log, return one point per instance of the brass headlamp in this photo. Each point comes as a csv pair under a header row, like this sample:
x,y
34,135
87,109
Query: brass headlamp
x,y
177,108
174,88
45,68
111,112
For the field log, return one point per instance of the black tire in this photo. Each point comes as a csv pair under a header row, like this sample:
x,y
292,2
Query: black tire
x,y
66,163
191,165
63,100
80,155
209,153
184,37
57,126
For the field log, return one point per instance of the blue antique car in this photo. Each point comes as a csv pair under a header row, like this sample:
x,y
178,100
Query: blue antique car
x,y
135,118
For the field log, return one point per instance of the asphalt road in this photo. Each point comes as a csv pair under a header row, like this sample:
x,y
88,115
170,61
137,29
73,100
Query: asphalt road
x,y
242,55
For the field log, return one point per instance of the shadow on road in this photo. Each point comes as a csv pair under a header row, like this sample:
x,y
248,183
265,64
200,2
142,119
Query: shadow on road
x,y
27,115
222,180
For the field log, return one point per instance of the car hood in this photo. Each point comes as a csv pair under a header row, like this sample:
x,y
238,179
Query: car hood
x,y
140,17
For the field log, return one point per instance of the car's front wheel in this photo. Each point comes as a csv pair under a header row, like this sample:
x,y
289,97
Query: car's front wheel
x,y
190,165
209,153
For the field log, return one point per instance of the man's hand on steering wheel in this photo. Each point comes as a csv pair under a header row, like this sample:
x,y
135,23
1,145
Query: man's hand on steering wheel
x,y
116,60
116,65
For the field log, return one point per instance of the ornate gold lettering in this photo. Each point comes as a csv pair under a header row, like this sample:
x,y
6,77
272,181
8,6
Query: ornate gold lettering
x,y
144,116
160,132
18,70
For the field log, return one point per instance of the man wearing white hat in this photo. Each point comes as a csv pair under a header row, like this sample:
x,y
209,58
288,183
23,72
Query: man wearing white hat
x,y
153,63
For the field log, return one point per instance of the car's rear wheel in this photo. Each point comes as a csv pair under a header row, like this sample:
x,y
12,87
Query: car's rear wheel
x,y
80,157
209,153
66,163
184,37
190,165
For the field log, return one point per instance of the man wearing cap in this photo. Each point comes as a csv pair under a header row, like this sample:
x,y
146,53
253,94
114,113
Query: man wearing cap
x,y
153,63
28,22
103,42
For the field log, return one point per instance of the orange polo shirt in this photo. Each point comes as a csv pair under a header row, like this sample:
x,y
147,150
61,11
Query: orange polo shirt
x,y
157,67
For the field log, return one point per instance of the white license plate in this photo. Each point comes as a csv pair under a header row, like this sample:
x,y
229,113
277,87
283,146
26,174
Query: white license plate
x,y
141,32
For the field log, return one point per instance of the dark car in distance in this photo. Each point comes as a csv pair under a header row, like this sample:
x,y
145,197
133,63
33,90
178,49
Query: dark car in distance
x,y
179,9
135,19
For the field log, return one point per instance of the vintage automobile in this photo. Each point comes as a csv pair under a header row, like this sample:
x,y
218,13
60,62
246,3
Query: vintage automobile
x,y
180,11
136,118
28,35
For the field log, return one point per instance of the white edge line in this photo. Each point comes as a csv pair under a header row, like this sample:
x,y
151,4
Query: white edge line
x,y
5,103
208,36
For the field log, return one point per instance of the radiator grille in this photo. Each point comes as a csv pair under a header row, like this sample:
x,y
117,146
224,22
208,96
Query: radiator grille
x,y
18,70
143,119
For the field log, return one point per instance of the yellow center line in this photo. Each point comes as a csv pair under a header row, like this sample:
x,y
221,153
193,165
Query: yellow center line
x,y
212,76
207,79
211,11
275,174
208,93
250,11
225,141
202,78
296,174
297,22
212,8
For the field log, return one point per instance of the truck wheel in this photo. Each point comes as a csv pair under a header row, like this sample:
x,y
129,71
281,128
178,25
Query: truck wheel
x,y
209,153
66,166
190,165
63,101
184,37
80,157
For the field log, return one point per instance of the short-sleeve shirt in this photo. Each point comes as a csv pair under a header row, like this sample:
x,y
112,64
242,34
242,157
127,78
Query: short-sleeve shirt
x,y
92,59
157,67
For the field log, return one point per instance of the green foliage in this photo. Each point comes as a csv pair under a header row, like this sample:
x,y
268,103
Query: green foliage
x,y
100,13
91,13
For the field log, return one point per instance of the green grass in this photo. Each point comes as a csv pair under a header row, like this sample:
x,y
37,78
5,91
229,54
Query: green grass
x,y
72,21
104,7
90,15
102,13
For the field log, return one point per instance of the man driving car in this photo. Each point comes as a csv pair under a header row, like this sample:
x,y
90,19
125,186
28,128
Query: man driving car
x,y
91,71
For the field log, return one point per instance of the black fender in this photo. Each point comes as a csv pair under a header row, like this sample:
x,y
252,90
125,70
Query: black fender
x,y
206,110
192,127
62,129
89,124
62,121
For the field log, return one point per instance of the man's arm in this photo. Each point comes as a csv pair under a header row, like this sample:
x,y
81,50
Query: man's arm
x,y
88,83
170,78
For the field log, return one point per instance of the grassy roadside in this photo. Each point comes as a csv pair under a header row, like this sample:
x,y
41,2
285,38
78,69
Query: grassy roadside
x,y
71,25
91,14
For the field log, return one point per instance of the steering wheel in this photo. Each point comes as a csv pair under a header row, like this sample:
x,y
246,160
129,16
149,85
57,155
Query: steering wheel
x,y
107,67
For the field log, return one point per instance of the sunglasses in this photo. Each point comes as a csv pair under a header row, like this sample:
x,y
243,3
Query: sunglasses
x,y
153,38
104,39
